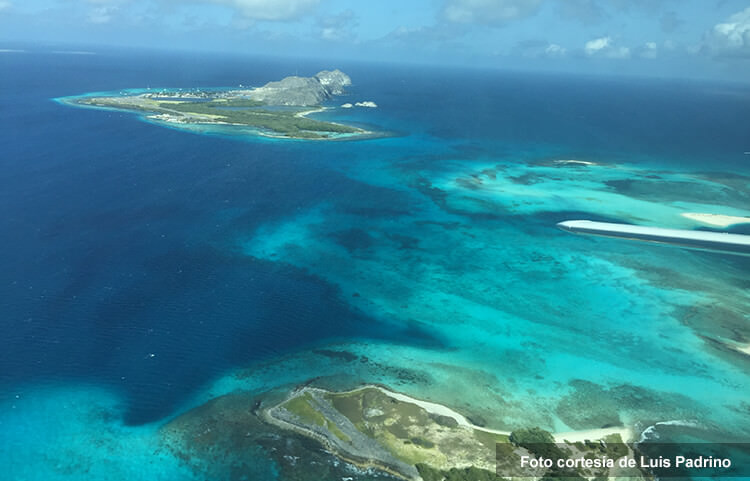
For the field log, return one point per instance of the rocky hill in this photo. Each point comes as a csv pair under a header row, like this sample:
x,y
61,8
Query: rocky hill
x,y
302,91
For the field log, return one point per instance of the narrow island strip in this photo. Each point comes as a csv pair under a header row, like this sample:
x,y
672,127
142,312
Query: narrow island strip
x,y
278,109
412,439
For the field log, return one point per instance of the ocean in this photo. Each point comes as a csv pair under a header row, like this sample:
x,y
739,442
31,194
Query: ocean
x,y
147,270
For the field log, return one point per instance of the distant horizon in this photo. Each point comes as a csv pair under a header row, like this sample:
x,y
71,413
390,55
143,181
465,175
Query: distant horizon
x,y
322,63
667,39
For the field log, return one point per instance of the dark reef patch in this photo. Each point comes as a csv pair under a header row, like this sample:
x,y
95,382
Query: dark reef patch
x,y
486,210
404,242
377,211
354,239
526,179
661,190
727,353
590,405
345,356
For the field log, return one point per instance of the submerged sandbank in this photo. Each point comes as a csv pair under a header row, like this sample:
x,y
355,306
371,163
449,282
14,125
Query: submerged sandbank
x,y
718,220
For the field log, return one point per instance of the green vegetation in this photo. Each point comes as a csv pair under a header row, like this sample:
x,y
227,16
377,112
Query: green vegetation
x,y
555,474
337,432
611,445
504,450
537,441
456,474
413,435
542,444
446,421
238,111
491,439
525,437
614,447
300,406
422,442
279,121
147,106
404,434
224,103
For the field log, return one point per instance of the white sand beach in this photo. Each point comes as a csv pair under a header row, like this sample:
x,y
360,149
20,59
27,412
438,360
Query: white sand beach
x,y
305,113
438,409
574,161
571,436
593,434
717,220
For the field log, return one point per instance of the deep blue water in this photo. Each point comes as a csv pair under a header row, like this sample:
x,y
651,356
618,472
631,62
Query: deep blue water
x,y
114,240
118,238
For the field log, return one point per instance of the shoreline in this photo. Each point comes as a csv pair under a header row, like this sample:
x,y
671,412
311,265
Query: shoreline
x,y
278,415
627,433
716,220
433,408
183,121
743,348
360,463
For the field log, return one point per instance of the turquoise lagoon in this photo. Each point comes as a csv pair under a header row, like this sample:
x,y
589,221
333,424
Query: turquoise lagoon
x,y
427,261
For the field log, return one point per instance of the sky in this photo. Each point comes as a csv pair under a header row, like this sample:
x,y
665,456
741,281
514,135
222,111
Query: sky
x,y
662,38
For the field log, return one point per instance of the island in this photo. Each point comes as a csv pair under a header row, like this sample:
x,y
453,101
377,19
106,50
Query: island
x,y
374,429
372,426
278,109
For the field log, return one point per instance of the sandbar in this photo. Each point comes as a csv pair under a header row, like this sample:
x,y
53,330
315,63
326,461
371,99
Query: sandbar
x,y
718,220
574,161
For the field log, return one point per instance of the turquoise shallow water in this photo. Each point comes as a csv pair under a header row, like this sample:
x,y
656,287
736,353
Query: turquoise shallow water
x,y
193,266
519,302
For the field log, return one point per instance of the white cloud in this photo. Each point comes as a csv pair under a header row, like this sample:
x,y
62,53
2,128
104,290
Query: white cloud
x,y
104,11
618,52
537,48
604,47
5,5
328,33
649,50
594,46
731,37
555,50
101,15
488,11
270,9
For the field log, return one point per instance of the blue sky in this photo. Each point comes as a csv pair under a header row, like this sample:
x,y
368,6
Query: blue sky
x,y
671,38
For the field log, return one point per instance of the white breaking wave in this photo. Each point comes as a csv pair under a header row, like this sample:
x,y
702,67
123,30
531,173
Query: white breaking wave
x,y
650,433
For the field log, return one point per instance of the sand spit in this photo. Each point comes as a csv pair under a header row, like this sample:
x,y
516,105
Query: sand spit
x,y
717,220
